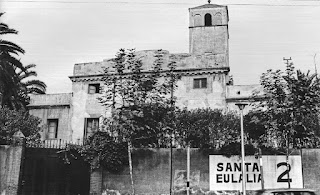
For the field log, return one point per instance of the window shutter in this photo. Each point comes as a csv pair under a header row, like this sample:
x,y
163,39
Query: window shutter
x,y
196,83
204,83
92,89
52,129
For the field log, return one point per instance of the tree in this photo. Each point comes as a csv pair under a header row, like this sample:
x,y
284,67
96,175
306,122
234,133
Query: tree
x,y
288,115
12,121
289,112
14,89
137,99
8,64
32,86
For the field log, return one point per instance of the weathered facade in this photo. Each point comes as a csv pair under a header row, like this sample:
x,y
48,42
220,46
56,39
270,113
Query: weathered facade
x,y
205,80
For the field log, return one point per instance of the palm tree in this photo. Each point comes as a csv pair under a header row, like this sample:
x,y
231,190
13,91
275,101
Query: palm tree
x,y
14,83
8,65
31,86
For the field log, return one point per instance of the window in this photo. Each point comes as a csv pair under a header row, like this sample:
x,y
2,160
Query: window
x,y
94,88
207,20
91,126
217,19
200,83
52,129
197,20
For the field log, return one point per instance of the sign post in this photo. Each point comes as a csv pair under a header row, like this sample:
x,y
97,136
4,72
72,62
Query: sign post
x,y
241,107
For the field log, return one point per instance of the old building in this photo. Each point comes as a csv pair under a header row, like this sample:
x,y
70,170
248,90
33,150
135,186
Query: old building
x,y
205,80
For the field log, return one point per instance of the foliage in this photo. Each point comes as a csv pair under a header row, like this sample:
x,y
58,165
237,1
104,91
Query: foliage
x,y
31,86
140,107
288,116
100,150
234,148
8,64
12,121
138,99
14,89
207,128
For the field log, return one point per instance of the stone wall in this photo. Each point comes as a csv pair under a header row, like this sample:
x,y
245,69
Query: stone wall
x,y
151,173
10,169
311,168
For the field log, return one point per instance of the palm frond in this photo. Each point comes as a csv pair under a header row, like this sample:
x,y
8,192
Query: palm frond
x,y
27,74
35,86
33,90
9,47
30,66
26,70
11,61
4,28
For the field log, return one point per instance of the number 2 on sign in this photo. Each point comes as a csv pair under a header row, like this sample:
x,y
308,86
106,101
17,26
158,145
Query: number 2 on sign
x,y
286,172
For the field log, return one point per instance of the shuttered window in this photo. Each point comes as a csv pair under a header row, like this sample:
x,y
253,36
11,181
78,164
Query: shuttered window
x,y
52,129
200,83
94,88
91,126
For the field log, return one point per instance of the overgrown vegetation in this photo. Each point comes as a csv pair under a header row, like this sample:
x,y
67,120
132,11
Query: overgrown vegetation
x,y
15,86
143,114
288,117
12,121
139,101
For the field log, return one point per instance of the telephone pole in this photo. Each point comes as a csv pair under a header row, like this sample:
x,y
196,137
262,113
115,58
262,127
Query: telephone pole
x,y
288,131
287,60
315,65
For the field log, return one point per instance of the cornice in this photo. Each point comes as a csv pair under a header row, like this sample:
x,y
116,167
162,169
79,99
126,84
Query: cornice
x,y
181,72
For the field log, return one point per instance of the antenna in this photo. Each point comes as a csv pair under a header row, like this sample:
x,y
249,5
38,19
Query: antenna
x,y
315,65
287,59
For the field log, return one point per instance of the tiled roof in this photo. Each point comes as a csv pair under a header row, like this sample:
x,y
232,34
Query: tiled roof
x,y
208,6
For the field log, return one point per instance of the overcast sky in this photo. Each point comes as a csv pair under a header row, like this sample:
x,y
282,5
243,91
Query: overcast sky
x,y
56,34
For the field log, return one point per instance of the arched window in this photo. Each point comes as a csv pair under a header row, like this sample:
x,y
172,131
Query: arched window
x,y
207,20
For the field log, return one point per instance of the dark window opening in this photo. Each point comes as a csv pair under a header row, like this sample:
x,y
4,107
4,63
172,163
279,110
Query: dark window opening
x,y
91,126
200,83
94,88
52,129
208,20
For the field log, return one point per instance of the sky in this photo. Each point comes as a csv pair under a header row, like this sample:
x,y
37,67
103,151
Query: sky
x,y
56,34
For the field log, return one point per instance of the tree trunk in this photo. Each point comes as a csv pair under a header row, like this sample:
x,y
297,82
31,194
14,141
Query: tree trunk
x,y
1,97
130,166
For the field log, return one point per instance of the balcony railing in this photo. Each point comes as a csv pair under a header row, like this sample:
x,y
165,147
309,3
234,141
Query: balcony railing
x,y
53,143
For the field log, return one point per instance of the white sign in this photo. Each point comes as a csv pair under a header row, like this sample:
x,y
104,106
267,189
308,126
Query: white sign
x,y
225,173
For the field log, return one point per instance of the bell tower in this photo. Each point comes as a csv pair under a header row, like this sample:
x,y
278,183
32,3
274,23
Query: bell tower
x,y
208,32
